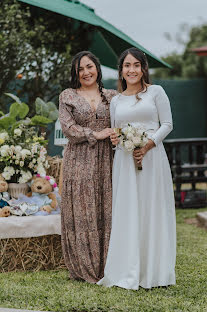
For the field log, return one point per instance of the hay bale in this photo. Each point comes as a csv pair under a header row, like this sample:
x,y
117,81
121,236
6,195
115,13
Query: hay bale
x,y
31,254
55,167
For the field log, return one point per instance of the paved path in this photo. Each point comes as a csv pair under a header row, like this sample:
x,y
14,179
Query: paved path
x,y
202,217
14,310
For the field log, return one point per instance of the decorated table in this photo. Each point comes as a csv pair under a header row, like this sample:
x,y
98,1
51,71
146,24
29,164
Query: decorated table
x,y
30,243
29,226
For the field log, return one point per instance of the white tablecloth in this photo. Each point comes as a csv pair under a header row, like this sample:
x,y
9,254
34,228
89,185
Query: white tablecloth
x,y
29,226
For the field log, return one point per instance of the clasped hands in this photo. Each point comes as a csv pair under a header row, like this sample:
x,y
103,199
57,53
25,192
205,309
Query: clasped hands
x,y
138,153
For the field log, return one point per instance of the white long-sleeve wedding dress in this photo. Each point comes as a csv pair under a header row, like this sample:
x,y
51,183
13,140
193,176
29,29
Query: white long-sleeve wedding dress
x,y
142,246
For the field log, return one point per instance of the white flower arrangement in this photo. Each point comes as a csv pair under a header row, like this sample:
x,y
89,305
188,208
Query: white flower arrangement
x,y
131,137
22,154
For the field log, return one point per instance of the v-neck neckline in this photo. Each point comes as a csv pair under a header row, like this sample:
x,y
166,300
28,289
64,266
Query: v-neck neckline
x,y
93,111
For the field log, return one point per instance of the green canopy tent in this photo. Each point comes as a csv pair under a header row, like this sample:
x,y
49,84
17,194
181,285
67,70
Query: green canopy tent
x,y
107,42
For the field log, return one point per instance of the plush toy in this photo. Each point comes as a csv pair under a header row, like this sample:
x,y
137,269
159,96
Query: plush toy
x,y
5,212
4,198
42,194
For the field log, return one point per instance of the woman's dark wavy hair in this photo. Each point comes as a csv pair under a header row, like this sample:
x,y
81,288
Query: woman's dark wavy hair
x,y
75,67
140,56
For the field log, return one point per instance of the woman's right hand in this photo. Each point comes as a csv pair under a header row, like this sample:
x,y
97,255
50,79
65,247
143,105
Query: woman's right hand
x,y
114,138
101,135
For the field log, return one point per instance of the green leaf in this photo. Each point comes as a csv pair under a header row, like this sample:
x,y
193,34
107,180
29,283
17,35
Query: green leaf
x,y
41,107
1,113
14,97
51,106
53,115
20,122
20,110
40,120
6,122
48,110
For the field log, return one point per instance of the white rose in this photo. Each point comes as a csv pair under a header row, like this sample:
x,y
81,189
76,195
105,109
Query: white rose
x,y
34,160
139,132
129,145
17,132
10,170
4,136
41,169
137,141
5,150
6,175
39,160
26,176
31,165
129,136
17,162
17,149
25,152
21,163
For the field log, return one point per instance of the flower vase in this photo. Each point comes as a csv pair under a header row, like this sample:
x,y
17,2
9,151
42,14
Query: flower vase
x,y
15,189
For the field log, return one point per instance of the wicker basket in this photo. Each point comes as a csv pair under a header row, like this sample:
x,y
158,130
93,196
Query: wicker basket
x,y
15,189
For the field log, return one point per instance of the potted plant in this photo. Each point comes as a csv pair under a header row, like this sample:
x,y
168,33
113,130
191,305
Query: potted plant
x,y
22,143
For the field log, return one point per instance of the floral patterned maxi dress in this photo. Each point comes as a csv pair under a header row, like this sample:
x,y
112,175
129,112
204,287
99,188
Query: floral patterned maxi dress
x,y
87,190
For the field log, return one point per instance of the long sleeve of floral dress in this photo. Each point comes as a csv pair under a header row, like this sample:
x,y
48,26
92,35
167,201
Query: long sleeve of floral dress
x,y
73,131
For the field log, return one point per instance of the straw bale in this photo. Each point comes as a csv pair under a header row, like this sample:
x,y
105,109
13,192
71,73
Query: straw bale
x,y
55,168
31,254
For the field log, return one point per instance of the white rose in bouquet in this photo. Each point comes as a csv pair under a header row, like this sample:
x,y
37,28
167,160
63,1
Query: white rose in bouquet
x,y
137,141
130,136
129,145
133,137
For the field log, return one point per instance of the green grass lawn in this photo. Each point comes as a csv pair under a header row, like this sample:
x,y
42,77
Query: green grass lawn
x,y
52,291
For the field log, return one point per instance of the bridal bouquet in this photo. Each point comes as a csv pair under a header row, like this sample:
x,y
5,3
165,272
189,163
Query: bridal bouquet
x,y
131,138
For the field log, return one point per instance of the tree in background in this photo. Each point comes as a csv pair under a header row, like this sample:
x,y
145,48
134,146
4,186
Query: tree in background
x,y
36,45
187,64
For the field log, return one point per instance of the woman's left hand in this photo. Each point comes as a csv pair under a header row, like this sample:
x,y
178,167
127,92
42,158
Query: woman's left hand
x,y
139,153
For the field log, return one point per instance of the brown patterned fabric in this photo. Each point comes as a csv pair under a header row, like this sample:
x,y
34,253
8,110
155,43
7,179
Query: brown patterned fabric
x,y
86,194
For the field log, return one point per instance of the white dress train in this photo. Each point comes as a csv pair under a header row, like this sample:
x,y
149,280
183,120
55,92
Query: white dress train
x,y
142,246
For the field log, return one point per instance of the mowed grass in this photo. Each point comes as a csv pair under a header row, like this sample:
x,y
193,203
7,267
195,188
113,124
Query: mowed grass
x,y
53,291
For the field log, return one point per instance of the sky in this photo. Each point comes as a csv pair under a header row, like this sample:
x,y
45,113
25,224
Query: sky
x,y
146,22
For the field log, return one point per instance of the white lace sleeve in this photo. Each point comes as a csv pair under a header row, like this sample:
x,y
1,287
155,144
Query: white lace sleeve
x,y
165,117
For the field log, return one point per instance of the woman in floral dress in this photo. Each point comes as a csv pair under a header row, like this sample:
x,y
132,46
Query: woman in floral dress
x,y
86,194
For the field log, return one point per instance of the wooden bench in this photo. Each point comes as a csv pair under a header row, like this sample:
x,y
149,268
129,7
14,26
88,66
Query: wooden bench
x,y
188,162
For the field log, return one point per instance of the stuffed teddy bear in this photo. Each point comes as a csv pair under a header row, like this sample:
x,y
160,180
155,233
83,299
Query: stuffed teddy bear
x,y
4,198
5,212
42,194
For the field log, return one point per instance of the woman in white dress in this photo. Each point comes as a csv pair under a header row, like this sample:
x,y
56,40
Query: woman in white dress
x,y
142,247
